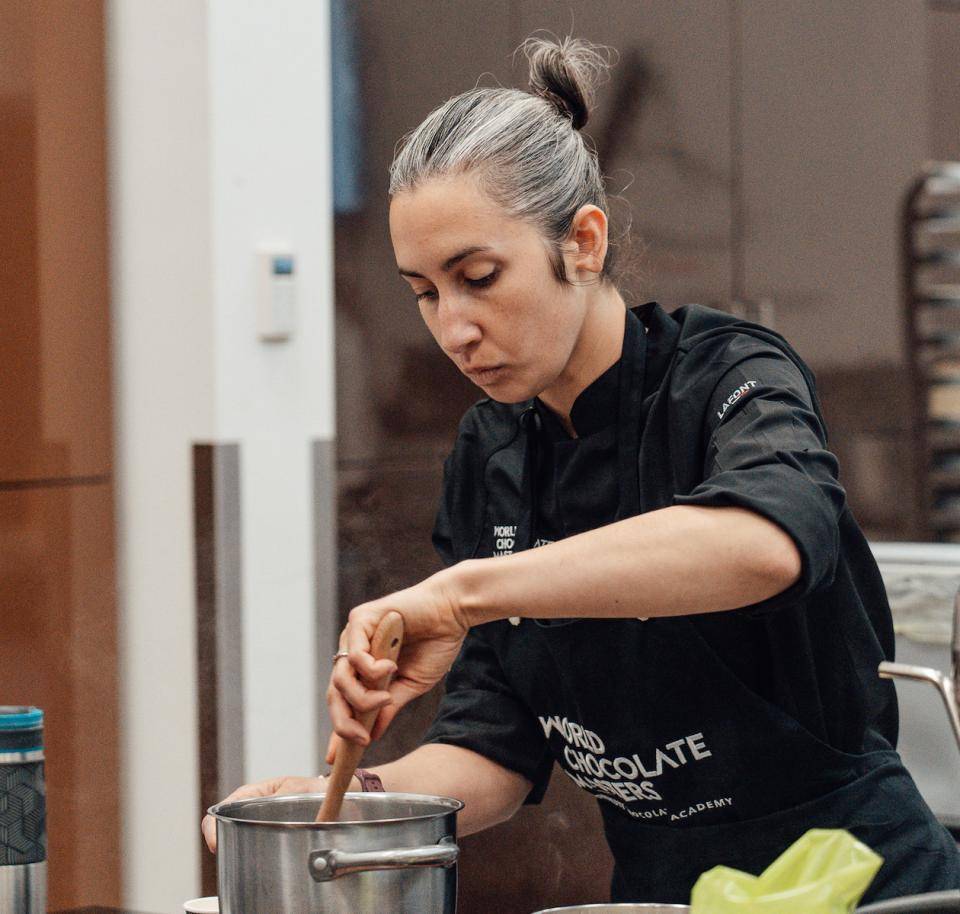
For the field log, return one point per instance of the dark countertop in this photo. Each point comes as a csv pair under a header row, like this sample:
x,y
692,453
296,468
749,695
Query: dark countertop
x,y
98,911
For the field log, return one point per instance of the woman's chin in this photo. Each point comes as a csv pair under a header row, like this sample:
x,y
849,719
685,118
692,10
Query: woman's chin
x,y
508,393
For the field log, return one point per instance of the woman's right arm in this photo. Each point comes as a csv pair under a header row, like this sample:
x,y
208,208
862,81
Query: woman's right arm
x,y
490,793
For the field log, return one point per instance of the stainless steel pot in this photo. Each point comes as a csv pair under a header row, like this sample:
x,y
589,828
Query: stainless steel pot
x,y
931,903
388,852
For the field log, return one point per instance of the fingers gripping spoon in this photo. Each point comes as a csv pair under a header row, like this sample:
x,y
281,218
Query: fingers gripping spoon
x,y
386,643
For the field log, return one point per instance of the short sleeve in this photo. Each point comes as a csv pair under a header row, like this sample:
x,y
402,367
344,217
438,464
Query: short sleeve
x,y
481,712
767,451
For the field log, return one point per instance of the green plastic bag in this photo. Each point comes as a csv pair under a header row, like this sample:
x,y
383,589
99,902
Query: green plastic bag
x,y
826,871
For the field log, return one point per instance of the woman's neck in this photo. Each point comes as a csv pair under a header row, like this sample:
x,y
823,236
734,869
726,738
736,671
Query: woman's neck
x,y
599,346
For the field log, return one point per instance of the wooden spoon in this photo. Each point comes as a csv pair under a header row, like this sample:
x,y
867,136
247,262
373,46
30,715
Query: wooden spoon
x,y
386,643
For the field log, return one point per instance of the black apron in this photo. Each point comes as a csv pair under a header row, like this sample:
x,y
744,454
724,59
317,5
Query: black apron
x,y
734,779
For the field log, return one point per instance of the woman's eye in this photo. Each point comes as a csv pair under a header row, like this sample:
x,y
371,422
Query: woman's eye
x,y
483,280
480,283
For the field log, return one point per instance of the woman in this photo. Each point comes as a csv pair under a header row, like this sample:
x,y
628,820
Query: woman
x,y
695,639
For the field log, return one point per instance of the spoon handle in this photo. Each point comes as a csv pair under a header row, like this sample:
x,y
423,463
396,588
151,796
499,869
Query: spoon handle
x,y
386,643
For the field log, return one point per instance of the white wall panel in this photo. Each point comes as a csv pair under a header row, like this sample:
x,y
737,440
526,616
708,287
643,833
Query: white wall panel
x,y
220,123
163,331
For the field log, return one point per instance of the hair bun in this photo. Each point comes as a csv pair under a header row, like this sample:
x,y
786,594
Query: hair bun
x,y
565,72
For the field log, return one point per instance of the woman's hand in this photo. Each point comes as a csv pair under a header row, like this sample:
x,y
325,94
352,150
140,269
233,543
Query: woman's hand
x,y
433,630
273,788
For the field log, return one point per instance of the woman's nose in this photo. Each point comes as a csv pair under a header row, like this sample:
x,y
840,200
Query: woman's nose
x,y
456,329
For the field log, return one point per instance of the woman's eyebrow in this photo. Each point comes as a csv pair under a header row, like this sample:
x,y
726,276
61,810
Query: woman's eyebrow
x,y
450,261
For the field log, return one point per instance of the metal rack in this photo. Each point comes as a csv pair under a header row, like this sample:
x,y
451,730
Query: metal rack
x,y
931,265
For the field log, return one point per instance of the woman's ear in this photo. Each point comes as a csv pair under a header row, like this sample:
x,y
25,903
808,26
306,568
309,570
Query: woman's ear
x,y
589,231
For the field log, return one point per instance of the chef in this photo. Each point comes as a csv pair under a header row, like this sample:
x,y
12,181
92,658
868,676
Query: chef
x,y
653,581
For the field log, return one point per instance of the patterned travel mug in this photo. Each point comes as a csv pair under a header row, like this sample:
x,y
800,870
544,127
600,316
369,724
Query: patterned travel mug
x,y
23,812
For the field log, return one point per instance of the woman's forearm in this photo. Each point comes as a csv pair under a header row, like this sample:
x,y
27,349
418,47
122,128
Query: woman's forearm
x,y
490,793
674,561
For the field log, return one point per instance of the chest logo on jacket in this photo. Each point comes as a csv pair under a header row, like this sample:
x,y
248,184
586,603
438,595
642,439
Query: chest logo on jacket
x,y
505,539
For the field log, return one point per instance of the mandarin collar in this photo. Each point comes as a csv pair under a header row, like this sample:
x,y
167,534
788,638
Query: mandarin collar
x,y
662,335
597,405
594,409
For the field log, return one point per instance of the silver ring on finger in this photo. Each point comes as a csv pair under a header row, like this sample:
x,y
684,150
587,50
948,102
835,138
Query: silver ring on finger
x,y
340,654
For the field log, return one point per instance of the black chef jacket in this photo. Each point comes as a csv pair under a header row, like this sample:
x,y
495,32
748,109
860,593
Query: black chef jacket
x,y
715,738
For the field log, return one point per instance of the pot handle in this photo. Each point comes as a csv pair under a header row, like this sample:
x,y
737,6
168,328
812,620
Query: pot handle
x,y
325,865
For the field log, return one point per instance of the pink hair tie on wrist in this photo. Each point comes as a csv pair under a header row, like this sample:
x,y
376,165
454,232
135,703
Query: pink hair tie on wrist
x,y
369,782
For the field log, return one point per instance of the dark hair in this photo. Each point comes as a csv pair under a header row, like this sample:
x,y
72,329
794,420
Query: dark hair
x,y
526,147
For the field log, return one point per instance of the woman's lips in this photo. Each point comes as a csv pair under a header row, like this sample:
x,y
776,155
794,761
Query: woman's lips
x,y
484,376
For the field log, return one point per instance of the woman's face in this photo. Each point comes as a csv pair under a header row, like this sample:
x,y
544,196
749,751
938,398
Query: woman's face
x,y
498,312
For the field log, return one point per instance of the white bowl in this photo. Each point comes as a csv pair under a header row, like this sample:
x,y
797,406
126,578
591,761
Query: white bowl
x,y
208,905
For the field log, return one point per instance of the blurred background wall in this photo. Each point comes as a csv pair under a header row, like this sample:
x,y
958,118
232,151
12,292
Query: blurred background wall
x,y
185,518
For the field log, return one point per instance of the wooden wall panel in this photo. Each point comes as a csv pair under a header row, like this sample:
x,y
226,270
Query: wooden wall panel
x,y
19,275
72,232
59,652
58,647
55,324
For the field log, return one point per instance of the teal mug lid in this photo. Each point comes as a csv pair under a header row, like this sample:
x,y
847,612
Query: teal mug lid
x,y
20,718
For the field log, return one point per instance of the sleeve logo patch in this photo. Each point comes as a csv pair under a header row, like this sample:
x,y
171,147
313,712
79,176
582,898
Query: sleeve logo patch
x,y
737,394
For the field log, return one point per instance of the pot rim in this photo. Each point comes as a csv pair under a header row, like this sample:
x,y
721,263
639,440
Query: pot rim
x,y
452,805
625,906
